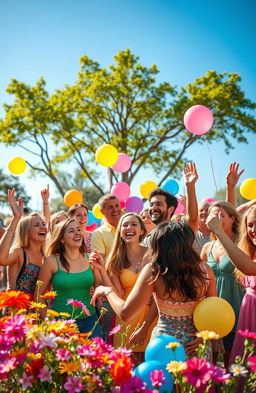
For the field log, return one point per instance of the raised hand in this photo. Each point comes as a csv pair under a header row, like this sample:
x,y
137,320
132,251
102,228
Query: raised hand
x,y
16,206
99,293
45,194
233,175
190,173
97,261
214,223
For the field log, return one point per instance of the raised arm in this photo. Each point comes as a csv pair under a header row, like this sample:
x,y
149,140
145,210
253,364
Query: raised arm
x,y
191,176
45,194
231,179
242,261
137,299
8,257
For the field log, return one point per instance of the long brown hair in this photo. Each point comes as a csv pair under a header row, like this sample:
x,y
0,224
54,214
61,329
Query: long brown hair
x,y
174,259
117,259
55,245
72,210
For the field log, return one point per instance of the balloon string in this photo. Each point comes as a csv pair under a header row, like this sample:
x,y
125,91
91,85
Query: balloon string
x,y
213,175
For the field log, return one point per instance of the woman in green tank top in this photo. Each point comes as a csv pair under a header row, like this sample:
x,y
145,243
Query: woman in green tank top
x,y
67,269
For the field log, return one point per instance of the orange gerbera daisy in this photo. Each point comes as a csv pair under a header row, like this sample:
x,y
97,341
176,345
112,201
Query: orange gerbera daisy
x,y
49,295
14,299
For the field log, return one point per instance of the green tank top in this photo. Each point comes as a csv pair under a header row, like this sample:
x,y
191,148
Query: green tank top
x,y
72,286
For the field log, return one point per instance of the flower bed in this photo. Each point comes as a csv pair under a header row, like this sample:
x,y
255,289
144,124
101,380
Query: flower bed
x,y
52,356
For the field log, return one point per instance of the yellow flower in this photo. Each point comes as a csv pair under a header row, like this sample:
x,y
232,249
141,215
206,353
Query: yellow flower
x,y
69,368
57,326
34,331
21,311
173,345
49,295
175,367
39,283
103,310
52,313
207,335
64,314
34,356
37,305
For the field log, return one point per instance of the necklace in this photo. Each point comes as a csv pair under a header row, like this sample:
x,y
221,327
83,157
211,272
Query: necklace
x,y
137,264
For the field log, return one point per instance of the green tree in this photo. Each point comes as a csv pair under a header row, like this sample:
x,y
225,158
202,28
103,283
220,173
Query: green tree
x,y
9,181
123,105
221,196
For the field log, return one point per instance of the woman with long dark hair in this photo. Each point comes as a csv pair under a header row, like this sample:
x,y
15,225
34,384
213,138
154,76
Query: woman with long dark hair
x,y
177,278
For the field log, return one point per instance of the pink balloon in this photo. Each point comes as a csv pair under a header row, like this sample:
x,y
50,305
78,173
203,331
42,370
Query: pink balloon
x,y
134,204
198,119
121,190
123,163
209,200
180,209
92,227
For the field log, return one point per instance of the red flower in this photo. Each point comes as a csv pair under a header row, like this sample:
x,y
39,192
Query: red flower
x,y
246,333
15,299
35,366
121,368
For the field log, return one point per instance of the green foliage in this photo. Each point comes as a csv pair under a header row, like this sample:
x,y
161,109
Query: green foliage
x,y
9,181
123,105
221,196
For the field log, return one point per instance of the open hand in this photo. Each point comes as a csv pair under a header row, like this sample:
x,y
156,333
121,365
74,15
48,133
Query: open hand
x,y
16,206
190,173
233,175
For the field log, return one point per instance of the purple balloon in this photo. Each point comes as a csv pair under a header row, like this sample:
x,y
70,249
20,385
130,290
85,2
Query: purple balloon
x,y
121,190
134,204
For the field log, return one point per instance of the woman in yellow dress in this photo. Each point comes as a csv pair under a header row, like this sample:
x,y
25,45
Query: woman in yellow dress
x,y
123,266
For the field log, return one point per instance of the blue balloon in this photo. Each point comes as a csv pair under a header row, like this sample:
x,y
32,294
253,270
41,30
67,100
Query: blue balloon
x,y
171,186
156,350
144,369
91,218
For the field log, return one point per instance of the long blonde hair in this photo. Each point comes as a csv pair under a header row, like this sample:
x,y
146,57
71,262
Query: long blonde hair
x,y
245,243
21,238
117,259
55,246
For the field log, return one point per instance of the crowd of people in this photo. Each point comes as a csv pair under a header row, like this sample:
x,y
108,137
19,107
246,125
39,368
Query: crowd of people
x,y
149,270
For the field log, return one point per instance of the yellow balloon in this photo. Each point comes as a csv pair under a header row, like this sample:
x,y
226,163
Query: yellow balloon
x,y
17,165
147,187
72,197
248,189
106,155
214,314
96,211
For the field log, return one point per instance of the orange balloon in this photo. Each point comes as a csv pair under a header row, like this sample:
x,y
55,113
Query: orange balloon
x,y
72,197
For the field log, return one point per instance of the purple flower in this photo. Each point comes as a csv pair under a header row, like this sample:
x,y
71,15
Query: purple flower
x,y
219,375
73,385
45,374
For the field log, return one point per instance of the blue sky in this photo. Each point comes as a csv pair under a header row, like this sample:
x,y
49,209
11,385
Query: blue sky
x,y
184,38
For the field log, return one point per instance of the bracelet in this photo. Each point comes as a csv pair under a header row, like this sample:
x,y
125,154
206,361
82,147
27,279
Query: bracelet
x,y
108,292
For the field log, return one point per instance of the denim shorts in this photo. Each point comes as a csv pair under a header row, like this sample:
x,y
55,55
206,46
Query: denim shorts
x,y
85,325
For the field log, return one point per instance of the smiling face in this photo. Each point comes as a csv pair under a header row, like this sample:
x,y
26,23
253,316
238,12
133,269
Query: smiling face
x,y
72,236
158,209
81,217
131,229
203,208
251,227
37,229
112,211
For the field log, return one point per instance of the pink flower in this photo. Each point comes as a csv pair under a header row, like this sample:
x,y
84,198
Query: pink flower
x,y
115,329
134,385
252,363
45,374
86,311
198,372
26,381
15,327
7,365
246,333
219,375
73,385
63,354
157,378
75,303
